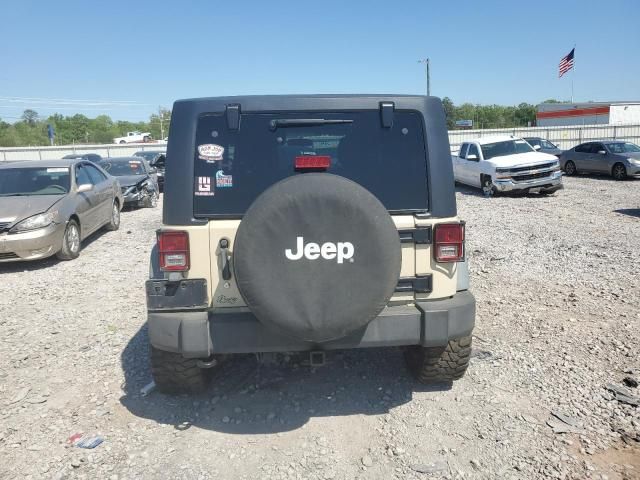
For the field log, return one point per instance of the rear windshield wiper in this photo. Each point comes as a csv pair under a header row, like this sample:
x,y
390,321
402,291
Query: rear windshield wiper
x,y
305,122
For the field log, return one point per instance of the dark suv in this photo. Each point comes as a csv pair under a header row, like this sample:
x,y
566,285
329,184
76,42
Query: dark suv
x,y
308,223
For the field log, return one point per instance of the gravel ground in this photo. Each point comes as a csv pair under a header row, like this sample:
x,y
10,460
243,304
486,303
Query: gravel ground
x,y
556,283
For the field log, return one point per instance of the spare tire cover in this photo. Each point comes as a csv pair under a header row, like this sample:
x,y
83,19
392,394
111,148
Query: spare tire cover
x,y
343,276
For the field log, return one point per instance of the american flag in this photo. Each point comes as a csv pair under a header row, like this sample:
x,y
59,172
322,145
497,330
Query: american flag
x,y
566,63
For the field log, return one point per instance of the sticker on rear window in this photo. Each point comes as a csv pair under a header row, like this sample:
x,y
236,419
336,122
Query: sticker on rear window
x,y
222,180
204,188
210,152
57,170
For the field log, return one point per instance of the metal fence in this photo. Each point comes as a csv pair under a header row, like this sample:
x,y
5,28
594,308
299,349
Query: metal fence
x,y
565,137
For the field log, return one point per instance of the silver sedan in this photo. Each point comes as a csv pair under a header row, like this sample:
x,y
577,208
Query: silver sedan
x,y
615,158
48,207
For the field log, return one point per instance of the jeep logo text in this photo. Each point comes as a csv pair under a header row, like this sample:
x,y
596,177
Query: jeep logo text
x,y
341,251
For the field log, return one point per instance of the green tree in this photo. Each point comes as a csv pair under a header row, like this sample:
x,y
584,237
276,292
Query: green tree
x,y
30,116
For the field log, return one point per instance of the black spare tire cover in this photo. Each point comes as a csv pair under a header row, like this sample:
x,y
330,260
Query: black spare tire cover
x,y
342,276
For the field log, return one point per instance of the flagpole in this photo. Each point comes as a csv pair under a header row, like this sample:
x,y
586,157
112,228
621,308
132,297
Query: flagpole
x,y
573,72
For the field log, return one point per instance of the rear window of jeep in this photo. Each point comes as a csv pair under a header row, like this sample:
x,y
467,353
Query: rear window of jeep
x,y
233,167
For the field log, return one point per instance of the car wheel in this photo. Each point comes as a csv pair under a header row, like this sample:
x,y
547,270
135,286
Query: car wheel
x,y
173,373
122,142
619,172
570,168
146,139
439,364
488,189
114,222
152,200
70,242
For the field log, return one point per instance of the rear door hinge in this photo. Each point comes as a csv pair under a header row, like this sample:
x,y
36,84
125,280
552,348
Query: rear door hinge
x,y
417,284
418,235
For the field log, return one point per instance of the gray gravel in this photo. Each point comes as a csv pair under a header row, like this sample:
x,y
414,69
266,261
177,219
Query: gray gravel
x,y
556,283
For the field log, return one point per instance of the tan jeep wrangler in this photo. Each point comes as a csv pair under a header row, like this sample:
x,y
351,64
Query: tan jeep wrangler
x,y
306,224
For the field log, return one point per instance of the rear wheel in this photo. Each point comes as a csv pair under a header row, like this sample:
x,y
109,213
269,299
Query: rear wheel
x,y
114,222
173,373
122,142
70,242
570,168
619,172
437,364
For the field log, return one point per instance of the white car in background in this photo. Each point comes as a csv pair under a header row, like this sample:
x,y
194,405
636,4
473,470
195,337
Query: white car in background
x,y
506,163
134,137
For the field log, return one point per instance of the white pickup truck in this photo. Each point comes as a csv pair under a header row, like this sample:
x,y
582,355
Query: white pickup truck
x,y
506,163
134,137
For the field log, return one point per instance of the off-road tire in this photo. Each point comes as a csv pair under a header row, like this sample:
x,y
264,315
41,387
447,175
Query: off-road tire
x,y
70,249
619,172
435,364
570,168
175,374
114,222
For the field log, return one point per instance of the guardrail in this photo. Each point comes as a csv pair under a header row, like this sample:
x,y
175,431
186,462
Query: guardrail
x,y
565,137
55,152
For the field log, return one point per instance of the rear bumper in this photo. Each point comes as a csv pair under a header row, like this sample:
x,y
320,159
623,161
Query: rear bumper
x,y
200,332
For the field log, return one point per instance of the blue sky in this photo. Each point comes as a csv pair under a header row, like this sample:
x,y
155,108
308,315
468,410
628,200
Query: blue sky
x,y
125,58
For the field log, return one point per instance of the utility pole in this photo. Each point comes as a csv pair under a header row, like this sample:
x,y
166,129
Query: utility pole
x,y
426,63
160,114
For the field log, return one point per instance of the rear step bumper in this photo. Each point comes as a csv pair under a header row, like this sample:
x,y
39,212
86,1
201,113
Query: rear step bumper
x,y
201,333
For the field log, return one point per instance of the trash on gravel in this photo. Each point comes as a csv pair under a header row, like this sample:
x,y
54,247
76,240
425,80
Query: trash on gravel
x,y
623,395
435,467
561,423
148,388
81,440
20,395
89,442
367,461
574,422
630,382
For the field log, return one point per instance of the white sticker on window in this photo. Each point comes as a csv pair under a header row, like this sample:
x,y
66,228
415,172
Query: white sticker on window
x,y
210,152
204,188
57,170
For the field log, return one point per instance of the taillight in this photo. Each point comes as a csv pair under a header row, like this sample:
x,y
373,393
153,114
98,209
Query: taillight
x,y
173,248
449,242
312,162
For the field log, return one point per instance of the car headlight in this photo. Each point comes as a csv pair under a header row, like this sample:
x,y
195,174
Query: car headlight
x,y
635,161
35,222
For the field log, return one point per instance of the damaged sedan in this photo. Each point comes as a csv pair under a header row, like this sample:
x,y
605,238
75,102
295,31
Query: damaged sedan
x,y
138,180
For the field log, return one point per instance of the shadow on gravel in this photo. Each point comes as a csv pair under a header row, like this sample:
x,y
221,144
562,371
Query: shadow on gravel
x,y
247,397
632,212
32,265
476,192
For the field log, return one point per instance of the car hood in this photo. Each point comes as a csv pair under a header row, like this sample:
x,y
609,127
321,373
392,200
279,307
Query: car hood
x,y
522,159
18,208
128,180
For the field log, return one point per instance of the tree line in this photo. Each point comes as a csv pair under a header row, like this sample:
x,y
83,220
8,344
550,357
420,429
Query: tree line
x,y
491,116
32,130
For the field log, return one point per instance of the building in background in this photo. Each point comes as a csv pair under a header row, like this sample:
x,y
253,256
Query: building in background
x,y
592,113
